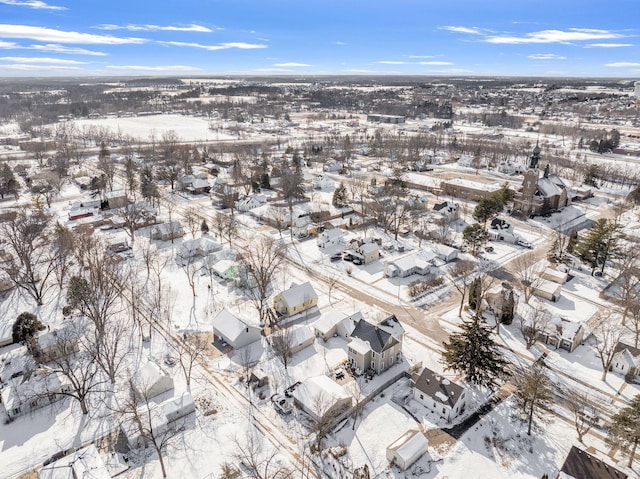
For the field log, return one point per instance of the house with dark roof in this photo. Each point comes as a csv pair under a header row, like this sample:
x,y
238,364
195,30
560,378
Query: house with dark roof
x,y
375,347
626,361
580,464
439,394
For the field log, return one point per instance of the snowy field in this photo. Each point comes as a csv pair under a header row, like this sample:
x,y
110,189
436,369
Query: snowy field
x,y
187,128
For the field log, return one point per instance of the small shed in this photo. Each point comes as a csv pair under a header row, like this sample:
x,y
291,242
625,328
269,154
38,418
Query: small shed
x,y
548,290
150,380
234,331
554,275
407,449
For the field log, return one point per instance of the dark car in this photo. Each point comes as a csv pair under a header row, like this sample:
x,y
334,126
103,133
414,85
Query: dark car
x,y
358,261
347,257
336,257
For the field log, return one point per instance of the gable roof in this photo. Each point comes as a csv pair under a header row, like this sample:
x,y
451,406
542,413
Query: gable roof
x,y
438,388
379,339
230,326
622,346
580,464
298,294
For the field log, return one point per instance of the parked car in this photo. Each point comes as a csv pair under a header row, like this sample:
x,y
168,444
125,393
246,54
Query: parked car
x,y
357,261
336,257
524,244
347,257
281,404
489,249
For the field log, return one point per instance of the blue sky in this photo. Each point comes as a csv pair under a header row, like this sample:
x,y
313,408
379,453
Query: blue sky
x,y
418,37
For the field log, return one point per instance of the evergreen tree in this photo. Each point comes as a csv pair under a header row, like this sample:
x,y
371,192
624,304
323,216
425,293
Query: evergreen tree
x,y
624,429
25,327
634,196
599,244
204,227
545,209
265,181
533,394
508,309
591,175
488,208
339,196
473,353
474,237
474,293
148,187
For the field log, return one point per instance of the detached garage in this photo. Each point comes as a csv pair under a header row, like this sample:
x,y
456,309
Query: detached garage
x,y
407,449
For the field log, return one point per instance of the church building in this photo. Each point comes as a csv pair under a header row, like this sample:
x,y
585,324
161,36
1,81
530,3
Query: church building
x,y
540,195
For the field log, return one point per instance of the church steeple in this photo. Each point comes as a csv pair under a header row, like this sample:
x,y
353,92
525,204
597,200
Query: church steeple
x,y
535,157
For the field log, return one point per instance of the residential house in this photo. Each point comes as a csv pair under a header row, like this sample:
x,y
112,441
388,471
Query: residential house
x,y
554,275
150,380
320,396
331,237
225,269
33,390
415,262
54,344
560,332
199,186
299,337
323,182
234,331
626,361
336,323
85,463
375,347
502,230
444,252
184,182
407,449
297,299
332,166
116,199
447,209
198,247
369,251
548,290
250,202
580,464
440,395
167,231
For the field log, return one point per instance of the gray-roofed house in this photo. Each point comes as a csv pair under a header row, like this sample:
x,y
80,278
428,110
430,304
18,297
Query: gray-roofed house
x,y
336,323
167,231
580,464
439,394
234,331
297,299
375,347
626,361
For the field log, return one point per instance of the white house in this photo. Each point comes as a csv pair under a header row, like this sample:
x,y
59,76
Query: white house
x,y
202,246
86,463
440,395
626,360
444,252
336,323
447,209
167,231
250,202
407,449
416,262
370,252
234,331
150,380
331,237
319,395
323,182
30,392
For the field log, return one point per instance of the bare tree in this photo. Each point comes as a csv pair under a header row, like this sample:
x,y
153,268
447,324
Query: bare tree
x,y
80,368
259,458
132,214
633,312
460,276
107,166
192,219
355,389
283,343
533,393
48,185
63,241
582,411
527,270
190,349
323,419
278,216
532,322
189,263
629,280
608,334
260,263
31,263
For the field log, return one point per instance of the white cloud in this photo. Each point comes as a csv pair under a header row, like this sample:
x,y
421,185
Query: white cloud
x,y
546,56
37,4
623,64
393,62
44,69
52,47
41,60
220,46
8,45
291,64
421,56
555,36
44,34
608,45
272,70
339,43
469,30
168,68
155,28
434,63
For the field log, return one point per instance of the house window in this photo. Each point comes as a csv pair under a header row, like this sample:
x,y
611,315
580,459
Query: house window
x,y
421,396
373,354
444,410
373,365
